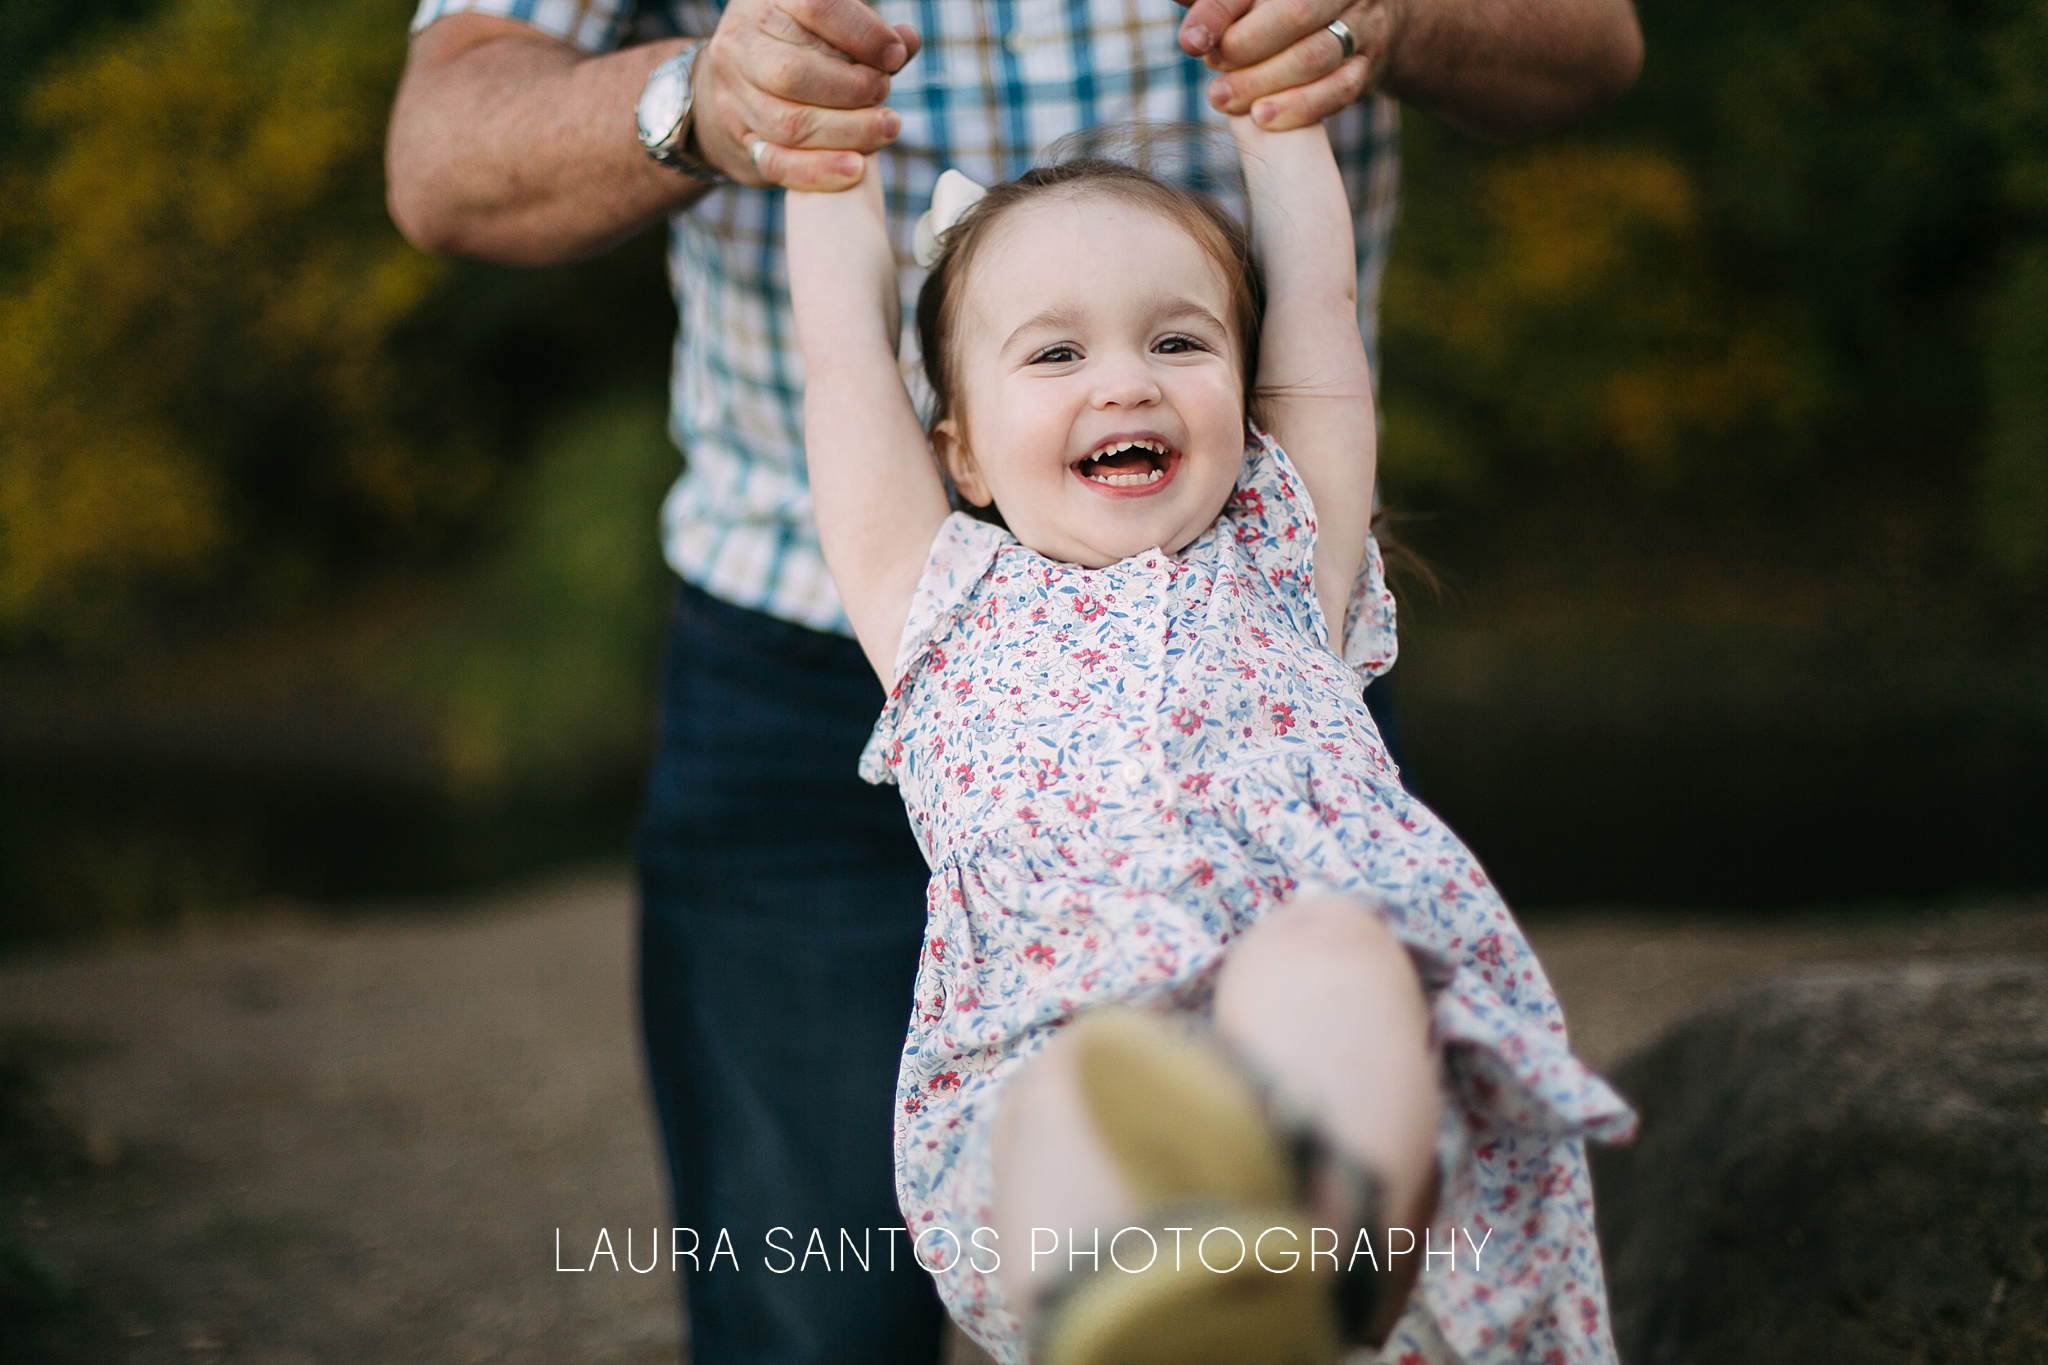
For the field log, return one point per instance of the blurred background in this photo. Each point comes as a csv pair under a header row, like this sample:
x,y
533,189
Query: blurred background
x,y
1717,432
1717,453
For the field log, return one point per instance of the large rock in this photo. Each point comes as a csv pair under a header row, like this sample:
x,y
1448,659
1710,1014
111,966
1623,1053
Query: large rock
x,y
1841,1167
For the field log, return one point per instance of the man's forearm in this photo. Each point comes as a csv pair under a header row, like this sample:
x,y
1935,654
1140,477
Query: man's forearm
x,y
508,145
1513,68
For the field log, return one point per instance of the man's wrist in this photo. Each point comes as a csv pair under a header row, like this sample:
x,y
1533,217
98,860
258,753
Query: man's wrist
x,y
666,117
1387,76
695,155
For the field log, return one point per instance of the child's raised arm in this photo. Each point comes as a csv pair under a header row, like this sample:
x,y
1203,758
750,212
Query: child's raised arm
x,y
875,491
1314,381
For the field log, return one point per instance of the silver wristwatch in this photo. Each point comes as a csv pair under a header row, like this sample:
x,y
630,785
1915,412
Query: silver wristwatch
x,y
663,115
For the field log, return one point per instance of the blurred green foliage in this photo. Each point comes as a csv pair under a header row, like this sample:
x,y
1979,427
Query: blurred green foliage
x,y
1556,311
540,667
1806,252
227,382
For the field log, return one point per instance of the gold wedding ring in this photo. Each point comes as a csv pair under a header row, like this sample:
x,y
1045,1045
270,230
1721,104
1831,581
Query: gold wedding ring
x,y
1341,31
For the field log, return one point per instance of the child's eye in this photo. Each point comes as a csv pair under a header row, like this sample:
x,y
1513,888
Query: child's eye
x,y
1179,343
1058,354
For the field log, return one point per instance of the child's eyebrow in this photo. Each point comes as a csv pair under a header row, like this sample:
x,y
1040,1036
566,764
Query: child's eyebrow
x,y
1179,309
1058,318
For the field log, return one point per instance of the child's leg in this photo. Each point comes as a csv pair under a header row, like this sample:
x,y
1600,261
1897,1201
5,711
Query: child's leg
x,y
1327,1005
1052,1171
1324,999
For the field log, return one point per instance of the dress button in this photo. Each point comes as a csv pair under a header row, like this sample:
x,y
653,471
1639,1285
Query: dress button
x,y
1132,772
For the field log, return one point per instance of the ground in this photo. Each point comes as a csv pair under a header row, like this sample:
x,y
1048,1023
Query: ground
x,y
309,1139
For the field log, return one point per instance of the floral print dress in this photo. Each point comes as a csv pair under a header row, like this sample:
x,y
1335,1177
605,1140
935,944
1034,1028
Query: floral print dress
x,y
1115,772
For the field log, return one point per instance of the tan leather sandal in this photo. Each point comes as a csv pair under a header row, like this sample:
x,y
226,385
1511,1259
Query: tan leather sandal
x,y
1189,1128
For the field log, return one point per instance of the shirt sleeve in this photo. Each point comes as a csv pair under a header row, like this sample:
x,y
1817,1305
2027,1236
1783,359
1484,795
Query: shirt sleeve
x,y
592,26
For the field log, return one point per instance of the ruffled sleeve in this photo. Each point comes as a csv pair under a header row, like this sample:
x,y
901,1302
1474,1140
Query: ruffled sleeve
x,y
1369,640
960,557
1272,522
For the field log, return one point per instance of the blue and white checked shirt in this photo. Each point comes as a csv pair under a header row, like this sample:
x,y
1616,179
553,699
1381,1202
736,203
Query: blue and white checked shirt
x,y
996,83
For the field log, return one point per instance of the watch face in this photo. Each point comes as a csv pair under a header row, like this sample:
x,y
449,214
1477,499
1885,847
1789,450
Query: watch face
x,y
661,103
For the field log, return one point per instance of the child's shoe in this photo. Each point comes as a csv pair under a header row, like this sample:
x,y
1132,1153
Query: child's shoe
x,y
1187,1127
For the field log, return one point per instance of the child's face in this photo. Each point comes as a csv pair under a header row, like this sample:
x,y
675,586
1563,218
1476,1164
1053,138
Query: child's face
x,y
1091,325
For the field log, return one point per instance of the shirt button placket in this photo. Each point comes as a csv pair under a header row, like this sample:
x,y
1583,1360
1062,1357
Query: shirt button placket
x,y
1156,569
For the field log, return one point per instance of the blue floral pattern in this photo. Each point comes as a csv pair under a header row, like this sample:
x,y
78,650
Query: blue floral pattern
x,y
1115,772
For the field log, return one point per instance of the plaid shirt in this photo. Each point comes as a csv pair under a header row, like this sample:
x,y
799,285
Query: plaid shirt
x,y
996,82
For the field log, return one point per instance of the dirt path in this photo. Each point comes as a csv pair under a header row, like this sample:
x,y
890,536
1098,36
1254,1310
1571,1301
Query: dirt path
x,y
353,1142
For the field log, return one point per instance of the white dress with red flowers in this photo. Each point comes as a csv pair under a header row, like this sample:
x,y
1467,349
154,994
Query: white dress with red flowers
x,y
1114,772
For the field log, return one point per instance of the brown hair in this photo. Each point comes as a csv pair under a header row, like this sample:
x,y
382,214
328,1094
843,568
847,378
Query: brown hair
x,y
1220,236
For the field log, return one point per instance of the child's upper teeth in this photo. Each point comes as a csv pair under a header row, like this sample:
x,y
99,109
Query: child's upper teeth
x,y
1156,447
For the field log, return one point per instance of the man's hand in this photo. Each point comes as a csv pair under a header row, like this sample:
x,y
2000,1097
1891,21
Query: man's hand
x,y
1497,68
789,92
1281,63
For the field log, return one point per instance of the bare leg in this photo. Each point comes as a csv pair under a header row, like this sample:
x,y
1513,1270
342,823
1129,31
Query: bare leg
x,y
1325,1000
1052,1171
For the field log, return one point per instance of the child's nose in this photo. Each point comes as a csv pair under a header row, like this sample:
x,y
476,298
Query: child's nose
x,y
1125,382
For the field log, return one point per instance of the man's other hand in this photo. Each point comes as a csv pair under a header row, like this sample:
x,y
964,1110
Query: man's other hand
x,y
1497,68
789,92
1279,61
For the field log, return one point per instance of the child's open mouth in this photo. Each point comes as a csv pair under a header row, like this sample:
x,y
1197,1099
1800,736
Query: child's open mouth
x,y
1135,462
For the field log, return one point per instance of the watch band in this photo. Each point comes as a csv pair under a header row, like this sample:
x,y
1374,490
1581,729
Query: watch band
x,y
667,101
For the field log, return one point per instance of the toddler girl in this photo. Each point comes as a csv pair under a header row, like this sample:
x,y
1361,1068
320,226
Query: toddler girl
x,y
1128,725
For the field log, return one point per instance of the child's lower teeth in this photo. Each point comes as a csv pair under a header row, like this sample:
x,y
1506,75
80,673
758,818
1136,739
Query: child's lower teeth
x,y
1126,480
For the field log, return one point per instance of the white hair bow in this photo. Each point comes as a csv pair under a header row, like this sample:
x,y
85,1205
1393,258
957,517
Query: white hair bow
x,y
951,197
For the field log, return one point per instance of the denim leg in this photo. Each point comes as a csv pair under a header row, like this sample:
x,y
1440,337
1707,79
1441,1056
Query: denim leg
x,y
782,911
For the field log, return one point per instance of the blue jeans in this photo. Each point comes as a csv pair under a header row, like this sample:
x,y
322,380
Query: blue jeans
x,y
782,911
